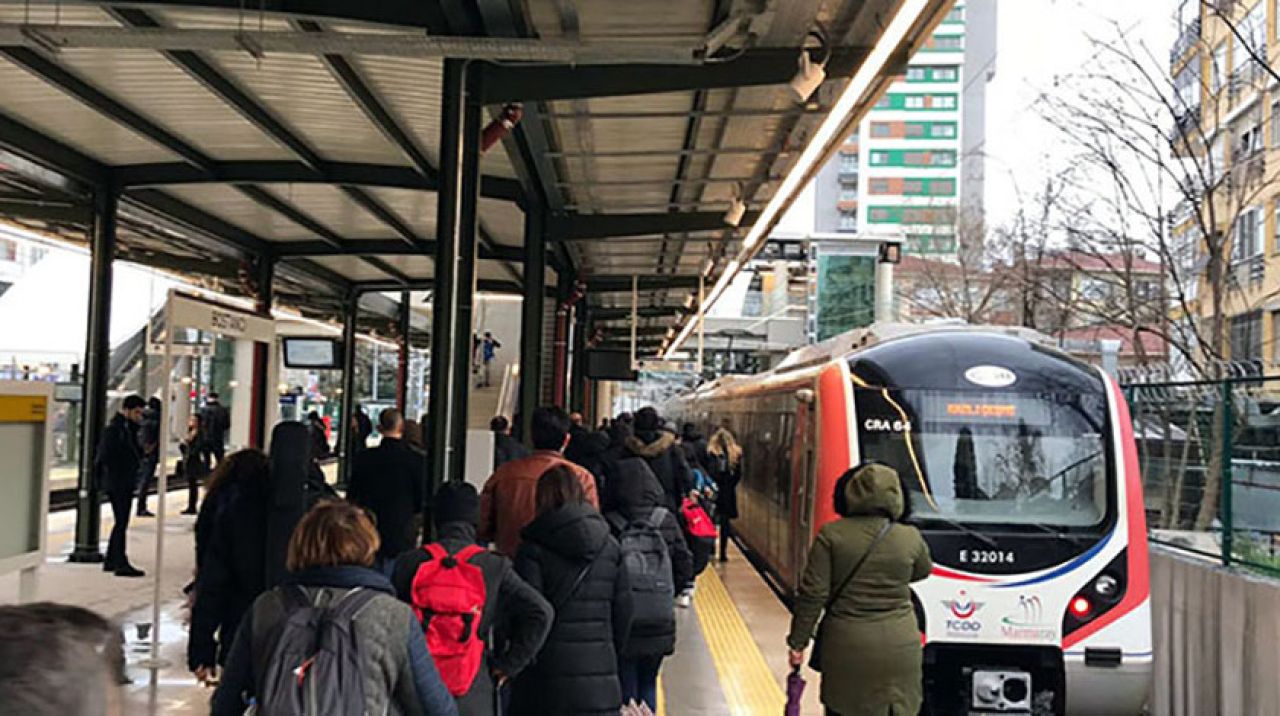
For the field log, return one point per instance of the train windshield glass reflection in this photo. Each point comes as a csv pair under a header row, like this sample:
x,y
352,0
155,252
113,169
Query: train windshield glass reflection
x,y
997,457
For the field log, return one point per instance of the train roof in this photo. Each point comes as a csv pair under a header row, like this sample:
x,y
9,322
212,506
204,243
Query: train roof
x,y
877,333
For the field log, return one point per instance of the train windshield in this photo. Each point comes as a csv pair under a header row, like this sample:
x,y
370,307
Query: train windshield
x,y
991,457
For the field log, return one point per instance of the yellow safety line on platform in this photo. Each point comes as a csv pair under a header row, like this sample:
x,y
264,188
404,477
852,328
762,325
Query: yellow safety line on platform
x,y
745,678
662,702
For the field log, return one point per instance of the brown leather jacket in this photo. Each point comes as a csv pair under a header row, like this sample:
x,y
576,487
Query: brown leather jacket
x,y
507,503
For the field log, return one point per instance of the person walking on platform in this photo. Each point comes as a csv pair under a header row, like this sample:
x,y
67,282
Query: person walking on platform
x,y
375,660
453,578
509,502
656,443
149,439
505,447
230,559
388,481
215,420
857,580
117,462
488,352
657,562
724,459
195,462
569,556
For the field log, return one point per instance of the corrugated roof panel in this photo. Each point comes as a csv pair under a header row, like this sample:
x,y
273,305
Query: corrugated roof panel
x,y
300,91
415,208
49,111
42,13
221,19
503,220
353,268
415,266
410,90
328,205
158,89
229,204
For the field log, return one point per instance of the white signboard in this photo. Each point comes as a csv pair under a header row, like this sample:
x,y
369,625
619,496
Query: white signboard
x,y
205,315
26,441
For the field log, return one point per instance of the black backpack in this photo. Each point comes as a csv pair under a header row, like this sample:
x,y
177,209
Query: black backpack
x,y
313,663
648,563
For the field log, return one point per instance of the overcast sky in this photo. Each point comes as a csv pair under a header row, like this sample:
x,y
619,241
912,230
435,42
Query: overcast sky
x,y
1038,41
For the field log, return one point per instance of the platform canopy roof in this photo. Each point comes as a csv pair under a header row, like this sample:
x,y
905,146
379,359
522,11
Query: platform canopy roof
x,y
309,131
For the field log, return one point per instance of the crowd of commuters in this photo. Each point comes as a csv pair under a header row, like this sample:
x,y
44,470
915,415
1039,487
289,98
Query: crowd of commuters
x,y
552,590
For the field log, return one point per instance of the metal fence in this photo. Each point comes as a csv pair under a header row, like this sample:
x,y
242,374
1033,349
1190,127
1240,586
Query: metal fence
x,y
1210,458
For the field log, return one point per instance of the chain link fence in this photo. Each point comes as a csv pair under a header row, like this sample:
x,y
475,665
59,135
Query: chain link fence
x,y
1210,458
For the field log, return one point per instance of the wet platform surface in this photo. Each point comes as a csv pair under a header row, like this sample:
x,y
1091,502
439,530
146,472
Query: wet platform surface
x,y
730,655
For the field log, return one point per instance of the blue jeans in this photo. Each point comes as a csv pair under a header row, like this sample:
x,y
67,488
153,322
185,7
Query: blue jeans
x,y
639,677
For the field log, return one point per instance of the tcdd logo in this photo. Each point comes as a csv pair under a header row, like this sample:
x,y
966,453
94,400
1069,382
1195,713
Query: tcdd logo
x,y
963,607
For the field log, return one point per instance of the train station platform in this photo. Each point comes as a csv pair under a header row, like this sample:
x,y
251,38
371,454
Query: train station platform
x,y
730,655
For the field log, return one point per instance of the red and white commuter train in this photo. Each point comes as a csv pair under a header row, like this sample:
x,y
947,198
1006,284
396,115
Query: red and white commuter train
x,y
1022,473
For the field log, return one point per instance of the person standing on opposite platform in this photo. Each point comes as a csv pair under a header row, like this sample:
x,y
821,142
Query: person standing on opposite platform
x,y
488,351
215,420
149,438
857,580
569,556
117,463
195,463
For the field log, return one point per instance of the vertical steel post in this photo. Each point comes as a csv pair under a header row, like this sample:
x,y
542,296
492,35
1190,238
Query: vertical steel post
x,y
635,322
702,320
97,354
262,353
455,268
535,278
577,367
402,357
348,434
1224,489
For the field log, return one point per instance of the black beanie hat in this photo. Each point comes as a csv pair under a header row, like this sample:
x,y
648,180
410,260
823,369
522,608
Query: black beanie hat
x,y
456,502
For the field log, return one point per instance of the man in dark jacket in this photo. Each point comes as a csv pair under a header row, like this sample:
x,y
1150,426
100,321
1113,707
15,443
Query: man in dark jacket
x,y
516,618
694,446
388,481
634,495
215,421
117,464
658,448
149,439
505,447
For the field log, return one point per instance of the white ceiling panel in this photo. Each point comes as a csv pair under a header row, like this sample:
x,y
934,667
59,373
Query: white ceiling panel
x,y
353,268
328,205
229,204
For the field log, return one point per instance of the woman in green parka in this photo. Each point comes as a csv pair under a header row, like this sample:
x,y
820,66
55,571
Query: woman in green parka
x,y
869,647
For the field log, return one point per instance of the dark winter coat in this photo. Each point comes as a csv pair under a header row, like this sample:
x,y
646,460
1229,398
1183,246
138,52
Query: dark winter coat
x,y
515,621
633,496
506,449
230,568
659,449
576,672
118,456
288,494
694,447
871,655
398,674
388,481
587,449
215,421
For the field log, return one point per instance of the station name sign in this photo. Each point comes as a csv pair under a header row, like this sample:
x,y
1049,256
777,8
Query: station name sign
x,y
226,321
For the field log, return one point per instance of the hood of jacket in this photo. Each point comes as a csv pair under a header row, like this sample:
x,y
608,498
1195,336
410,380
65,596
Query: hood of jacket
x,y
874,490
634,489
342,577
573,531
651,445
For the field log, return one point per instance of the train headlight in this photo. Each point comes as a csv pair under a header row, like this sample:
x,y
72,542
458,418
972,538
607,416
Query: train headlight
x,y
1107,587
1081,607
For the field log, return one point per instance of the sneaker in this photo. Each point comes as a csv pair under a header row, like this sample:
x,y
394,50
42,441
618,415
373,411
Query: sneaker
x,y
129,570
684,601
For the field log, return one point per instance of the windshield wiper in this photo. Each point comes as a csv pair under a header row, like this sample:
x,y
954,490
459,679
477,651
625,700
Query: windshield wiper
x,y
1074,539
960,526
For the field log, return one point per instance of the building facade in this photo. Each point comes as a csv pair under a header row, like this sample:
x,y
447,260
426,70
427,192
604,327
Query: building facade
x,y
916,163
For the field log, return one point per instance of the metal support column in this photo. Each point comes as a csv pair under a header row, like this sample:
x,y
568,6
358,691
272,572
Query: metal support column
x,y
560,343
455,269
97,354
348,447
535,277
262,391
402,358
578,365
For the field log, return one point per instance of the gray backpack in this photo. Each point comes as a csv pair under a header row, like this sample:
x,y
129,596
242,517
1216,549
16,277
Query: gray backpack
x,y
648,564
313,663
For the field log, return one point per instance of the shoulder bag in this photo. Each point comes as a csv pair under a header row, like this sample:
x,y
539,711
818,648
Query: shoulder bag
x,y
815,657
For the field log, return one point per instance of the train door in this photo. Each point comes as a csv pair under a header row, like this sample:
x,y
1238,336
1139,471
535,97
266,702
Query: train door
x,y
801,468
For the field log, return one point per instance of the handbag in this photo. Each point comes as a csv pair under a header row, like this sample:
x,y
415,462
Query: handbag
x,y
815,656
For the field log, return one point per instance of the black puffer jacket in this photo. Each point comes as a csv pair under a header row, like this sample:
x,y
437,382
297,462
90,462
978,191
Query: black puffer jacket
x,y
659,449
230,568
576,672
118,456
588,449
633,496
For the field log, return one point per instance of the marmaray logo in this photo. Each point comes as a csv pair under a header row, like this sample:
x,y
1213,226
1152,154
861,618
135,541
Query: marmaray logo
x,y
963,608
1027,624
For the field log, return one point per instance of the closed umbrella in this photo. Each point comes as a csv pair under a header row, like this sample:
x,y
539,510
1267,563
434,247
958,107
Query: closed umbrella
x,y
795,690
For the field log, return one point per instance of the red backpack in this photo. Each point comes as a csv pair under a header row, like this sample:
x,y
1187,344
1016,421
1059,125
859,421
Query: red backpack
x,y
696,520
448,597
